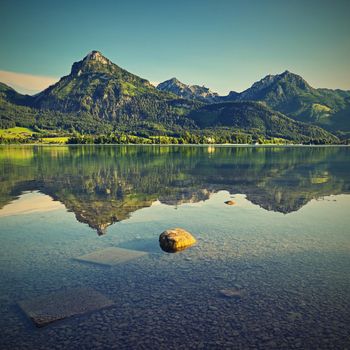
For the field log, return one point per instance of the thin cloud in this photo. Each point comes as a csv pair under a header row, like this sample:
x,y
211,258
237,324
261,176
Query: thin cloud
x,y
26,83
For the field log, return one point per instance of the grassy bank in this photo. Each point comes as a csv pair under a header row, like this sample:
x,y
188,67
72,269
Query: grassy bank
x,y
22,135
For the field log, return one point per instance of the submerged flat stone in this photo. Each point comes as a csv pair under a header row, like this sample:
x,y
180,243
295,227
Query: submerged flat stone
x,y
111,256
234,293
59,305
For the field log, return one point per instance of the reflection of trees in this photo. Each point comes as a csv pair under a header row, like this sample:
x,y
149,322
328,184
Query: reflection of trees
x,y
102,185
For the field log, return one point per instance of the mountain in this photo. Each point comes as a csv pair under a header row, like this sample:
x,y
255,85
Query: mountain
x,y
190,92
9,94
97,96
257,118
101,88
290,94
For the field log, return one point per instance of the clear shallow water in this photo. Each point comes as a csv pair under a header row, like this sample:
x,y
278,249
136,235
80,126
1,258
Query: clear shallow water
x,y
285,245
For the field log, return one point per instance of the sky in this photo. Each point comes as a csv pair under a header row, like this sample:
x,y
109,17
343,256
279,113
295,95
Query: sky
x,y
222,44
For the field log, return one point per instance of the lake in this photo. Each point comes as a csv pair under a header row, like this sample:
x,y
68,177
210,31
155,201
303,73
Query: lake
x,y
269,272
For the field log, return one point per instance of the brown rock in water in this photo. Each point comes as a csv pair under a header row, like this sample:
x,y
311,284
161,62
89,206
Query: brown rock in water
x,y
231,202
175,239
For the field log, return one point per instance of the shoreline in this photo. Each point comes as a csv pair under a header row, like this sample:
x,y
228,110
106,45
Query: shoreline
x,y
168,144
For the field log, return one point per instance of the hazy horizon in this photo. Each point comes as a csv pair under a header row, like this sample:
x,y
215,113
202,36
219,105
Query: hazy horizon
x,y
32,84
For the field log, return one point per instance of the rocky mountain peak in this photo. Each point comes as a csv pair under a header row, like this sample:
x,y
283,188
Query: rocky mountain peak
x,y
286,83
96,56
295,80
174,80
191,92
94,61
171,83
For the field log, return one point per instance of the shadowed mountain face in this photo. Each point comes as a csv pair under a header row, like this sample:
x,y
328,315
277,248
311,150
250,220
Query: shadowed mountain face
x,y
103,185
249,116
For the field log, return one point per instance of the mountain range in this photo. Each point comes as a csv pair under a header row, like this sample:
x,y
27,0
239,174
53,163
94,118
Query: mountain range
x,y
99,97
287,93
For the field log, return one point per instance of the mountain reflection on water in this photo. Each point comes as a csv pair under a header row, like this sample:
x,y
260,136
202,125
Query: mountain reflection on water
x,y
104,184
